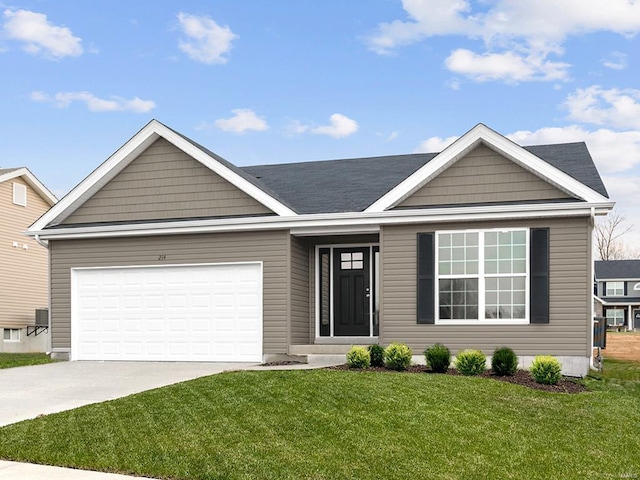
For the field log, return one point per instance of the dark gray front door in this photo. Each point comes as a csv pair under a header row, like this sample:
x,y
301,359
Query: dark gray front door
x,y
351,291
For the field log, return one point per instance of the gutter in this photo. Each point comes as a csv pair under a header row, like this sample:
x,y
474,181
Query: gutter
x,y
303,225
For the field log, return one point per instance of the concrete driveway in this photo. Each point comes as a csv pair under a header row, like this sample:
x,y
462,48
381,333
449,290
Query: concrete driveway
x,y
26,392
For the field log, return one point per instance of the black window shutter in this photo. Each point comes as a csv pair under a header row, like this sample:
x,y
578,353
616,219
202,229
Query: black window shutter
x,y
625,289
426,277
539,275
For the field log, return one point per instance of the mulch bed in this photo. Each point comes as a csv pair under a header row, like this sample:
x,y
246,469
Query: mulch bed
x,y
521,377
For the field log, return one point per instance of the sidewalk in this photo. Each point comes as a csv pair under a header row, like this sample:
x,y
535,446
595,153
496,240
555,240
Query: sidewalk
x,y
29,471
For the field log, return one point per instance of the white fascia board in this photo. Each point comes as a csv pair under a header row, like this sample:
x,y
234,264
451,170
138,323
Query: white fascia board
x,y
33,182
341,223
131,150
463,145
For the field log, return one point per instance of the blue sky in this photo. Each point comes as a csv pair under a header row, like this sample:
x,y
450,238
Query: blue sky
x,y
263,81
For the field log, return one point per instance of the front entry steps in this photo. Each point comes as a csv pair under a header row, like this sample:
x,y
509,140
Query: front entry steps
x,y
334,353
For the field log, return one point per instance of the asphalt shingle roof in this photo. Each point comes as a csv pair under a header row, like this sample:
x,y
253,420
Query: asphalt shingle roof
x,y
8,170
351,185
622,269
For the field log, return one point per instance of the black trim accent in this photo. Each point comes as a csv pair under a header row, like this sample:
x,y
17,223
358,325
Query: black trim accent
x,y
539,275
324,308
426,278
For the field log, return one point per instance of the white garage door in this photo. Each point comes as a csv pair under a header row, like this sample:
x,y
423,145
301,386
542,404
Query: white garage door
x,y
168,313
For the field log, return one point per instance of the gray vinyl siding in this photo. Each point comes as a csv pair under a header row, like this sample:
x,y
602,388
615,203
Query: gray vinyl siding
x,y
483,176
570,299
299,288
267,247
165,183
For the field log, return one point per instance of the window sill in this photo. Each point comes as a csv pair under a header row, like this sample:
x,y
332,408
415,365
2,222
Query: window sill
x,y
483,322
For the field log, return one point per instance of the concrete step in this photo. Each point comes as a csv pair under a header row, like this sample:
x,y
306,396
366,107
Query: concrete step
x,y
319,349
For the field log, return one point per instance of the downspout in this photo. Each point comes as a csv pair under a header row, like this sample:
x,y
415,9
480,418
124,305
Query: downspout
x,y
46,245
591,278
37,239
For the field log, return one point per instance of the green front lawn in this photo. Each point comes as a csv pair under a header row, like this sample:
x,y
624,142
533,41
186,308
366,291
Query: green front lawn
x,y
9,360
325,424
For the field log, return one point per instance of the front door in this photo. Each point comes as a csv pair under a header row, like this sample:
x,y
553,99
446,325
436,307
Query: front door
x,y
351,291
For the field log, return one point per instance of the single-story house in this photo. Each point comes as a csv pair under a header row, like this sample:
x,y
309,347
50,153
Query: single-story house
x,y
618,292
24,263
169,252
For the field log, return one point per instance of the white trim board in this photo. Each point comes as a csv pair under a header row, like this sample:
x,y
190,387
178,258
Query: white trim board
x,y
481,134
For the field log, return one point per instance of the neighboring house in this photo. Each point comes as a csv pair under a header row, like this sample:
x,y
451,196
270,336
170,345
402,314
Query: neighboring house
x,y
618,292
169,252
24,277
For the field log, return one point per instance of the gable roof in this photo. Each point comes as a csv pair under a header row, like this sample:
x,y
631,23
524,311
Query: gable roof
x,y
481,134
7,174
132,149
617,269
364,186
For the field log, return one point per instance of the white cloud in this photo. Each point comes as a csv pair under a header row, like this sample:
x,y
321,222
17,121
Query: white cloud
x,y
206,41
295,127
435,144
39,36
93,103
508,66
243,120
611,151
392,136
518,36
616,61
615,107
340,126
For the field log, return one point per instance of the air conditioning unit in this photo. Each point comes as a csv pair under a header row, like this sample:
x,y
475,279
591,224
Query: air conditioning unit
x,y
42,317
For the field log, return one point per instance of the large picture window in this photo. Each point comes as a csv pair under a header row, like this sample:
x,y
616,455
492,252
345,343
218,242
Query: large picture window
x,y
482,275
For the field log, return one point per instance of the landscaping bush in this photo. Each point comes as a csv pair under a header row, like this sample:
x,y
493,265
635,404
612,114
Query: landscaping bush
x,y
546,369
504,361
471,362
438,358
376,352
397,356
358,357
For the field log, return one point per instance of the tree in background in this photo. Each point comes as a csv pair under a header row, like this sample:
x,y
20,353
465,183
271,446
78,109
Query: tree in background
x,y
608,232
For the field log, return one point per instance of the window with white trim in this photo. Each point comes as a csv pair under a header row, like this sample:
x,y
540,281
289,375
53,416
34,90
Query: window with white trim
x,y
615,317
614,289
11,334
20,194
482,276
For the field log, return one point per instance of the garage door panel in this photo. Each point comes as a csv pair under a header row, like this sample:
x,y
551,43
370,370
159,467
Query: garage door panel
x,y
177,313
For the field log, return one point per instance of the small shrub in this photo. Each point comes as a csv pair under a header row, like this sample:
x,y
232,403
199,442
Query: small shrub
x,y
471,362
358,357
438,358
504,361
397,356
376,352
546,369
